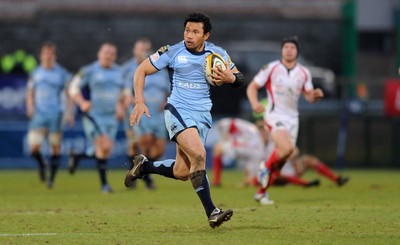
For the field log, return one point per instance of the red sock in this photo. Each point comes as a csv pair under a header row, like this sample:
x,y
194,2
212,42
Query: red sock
x,y
273,176
325,171
294,180
217,169
273,159
261,190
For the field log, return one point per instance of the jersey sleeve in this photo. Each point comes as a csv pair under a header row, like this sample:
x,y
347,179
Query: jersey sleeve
x,y
84,74
31,80
222,52
161,58
261,77
228,59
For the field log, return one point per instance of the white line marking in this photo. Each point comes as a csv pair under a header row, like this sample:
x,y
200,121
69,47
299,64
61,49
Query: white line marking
x,y
29,234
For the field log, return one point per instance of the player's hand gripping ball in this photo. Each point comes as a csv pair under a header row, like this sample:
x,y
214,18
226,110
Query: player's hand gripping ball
x,y
211,61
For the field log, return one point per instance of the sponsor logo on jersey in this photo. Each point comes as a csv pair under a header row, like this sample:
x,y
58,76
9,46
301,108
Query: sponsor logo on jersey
x,y
155,56
182,59
189,85
173,127
162,50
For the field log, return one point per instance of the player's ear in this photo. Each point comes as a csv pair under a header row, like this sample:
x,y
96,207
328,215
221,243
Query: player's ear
x,y
206,35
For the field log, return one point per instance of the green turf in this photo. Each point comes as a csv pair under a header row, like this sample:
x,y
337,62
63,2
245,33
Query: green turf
x,y
366,211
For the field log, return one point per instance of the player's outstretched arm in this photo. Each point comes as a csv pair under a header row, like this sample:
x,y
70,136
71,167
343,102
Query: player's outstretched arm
x,y
252,95
74,91
144,69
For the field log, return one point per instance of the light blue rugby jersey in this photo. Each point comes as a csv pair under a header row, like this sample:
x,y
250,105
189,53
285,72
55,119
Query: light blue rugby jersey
x,y
104,87
189,89
155,88
47,85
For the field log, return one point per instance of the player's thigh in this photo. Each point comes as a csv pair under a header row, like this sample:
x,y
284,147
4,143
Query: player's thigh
x,y
36,137
37,130
277,123
54,129
282,139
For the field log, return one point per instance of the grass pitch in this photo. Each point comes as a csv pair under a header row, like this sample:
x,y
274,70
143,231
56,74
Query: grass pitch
x,y
365,211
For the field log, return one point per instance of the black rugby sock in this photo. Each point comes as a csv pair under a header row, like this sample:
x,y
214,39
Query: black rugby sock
x,y
54,165
165,168
200,184
102,168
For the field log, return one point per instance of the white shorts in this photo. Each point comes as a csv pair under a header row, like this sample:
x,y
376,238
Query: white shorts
x,y
276,122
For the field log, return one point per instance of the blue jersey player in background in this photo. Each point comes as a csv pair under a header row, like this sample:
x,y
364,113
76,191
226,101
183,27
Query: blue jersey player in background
x,y
187,113
101,113
150,135
45,110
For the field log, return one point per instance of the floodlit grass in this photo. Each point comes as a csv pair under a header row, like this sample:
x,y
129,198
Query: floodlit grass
x,y
366,211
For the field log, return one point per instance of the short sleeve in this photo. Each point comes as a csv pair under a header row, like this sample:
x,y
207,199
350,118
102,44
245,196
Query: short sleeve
x,y
161,58
261,77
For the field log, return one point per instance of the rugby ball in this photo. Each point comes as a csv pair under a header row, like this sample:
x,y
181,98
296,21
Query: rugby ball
x,y
211,61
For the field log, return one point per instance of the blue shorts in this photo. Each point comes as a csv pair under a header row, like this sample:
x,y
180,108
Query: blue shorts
x,y
155,125
177,120
51,122
97,126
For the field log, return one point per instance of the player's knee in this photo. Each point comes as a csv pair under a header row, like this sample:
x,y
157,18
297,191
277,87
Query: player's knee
x,y
106,145
55,138
287,151
199,158
35,137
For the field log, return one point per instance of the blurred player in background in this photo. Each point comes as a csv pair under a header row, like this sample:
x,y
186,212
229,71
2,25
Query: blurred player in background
x,y
298,164
103,108
285,80
44,108
187,113
243,142
151,134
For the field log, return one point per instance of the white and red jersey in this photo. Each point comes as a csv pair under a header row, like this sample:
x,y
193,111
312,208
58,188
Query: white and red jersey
x,y
284,88
241,140
239,132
